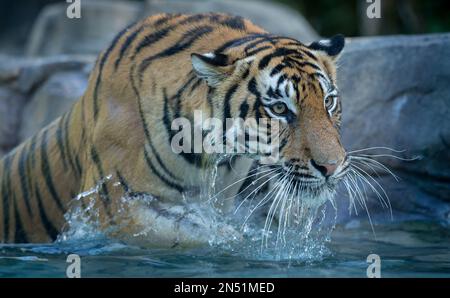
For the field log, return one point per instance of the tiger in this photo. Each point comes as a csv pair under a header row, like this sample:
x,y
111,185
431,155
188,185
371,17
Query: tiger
x,y
119,132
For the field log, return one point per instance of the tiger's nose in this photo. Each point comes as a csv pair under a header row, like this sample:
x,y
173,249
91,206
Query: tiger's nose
x,y
326,169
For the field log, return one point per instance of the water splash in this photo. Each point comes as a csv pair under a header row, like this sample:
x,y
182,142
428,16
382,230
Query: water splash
x,y
303,238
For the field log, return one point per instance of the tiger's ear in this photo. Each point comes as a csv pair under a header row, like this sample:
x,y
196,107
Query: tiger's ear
x,y
212,67
331,47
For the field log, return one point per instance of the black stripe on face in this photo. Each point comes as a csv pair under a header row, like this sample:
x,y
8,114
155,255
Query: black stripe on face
x,y
277,69
240,41
303,64
243,109
182,44
280,52
226,107
23,176
46,172
6,192
20,236
51,230
252,87
256,51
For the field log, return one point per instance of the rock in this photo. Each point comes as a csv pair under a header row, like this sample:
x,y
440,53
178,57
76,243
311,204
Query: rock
x,y
41,89
266,14
407,200
54,33
11,105
396,93
59,92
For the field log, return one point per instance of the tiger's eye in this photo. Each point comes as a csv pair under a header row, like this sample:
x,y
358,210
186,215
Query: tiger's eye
x,y
279,108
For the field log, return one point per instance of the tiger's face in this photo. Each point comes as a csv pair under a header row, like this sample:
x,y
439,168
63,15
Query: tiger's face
x,y
283,80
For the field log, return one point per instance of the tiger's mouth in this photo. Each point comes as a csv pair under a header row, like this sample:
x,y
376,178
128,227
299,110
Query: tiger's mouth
x,y
308,184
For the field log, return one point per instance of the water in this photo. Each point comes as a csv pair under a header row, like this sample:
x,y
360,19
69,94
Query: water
x,y
408,249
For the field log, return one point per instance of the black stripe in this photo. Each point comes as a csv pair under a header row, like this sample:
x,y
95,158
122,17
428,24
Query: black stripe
x,y
256,51
123,182
151,39
67,146
243,109
176,186
23,176
166,18
20,236
240,41
277,69
227,108
126,44
234,22
46,171
59,141
252,87
51,230
280,52
104,193
192,158
246,73
78,165
302,64
161,33
194,86
309,54
145,126
100,68
182,44
32,151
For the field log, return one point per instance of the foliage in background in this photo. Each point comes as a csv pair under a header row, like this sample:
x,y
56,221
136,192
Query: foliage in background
x,y
398,16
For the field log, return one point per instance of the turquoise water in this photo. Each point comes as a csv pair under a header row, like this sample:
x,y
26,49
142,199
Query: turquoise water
x,y
408,249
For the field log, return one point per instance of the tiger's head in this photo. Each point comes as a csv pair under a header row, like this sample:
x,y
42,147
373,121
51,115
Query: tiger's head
x,y
280,78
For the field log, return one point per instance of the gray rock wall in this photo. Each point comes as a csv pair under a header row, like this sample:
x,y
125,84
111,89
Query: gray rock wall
x,y
33,92
396,93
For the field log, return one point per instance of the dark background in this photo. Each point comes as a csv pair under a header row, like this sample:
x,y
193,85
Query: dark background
x,y
326,16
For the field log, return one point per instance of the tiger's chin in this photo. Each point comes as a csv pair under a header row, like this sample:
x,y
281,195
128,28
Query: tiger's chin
x,y
313,193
